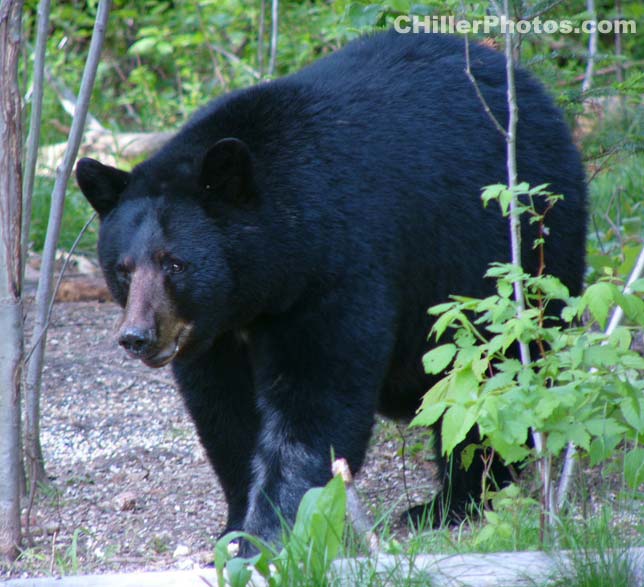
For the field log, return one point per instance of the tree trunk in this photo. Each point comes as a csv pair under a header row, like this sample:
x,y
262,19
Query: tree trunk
x,y
11,324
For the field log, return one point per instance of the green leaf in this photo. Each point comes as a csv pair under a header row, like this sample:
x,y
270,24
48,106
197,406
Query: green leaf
x,y
632,361
600,356
468,454
238,572
437,360
605,427
634,468
621,338
556,441
509,451
633,307
633,411
457,422
578,434
602,448
637,286
492,192
546,405
505,199
143,46
599,298
359,15
441,308
429,414
463,386
319,524
260,561
446,320
499,381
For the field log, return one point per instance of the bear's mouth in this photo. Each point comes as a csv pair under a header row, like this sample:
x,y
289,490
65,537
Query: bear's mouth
x,y
167,354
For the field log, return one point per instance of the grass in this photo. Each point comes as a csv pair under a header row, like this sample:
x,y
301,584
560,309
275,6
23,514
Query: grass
x,y
598,555
596,545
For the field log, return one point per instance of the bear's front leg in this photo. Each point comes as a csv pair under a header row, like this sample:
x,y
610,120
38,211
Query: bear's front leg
x,y
217,388
316,398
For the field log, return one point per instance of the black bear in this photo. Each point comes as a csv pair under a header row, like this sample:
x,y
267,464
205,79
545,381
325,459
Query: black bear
x,y
282,250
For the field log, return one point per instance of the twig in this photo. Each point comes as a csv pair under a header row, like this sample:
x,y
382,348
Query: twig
x,y
59,281
482,100
236,60
404,464
213,57
548,8
619,66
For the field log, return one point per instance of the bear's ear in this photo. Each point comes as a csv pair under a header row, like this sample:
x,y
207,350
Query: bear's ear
x,y
227,172
101,184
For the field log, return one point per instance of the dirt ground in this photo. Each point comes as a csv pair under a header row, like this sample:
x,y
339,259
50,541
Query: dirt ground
x,y
130,487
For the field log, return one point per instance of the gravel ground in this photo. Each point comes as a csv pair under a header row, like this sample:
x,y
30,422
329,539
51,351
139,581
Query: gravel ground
x,y
130,487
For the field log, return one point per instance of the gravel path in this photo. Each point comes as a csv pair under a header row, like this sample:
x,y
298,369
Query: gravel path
x,y
131,488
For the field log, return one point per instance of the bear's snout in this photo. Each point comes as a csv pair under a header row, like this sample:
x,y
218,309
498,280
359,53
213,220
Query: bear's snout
x,y
139,342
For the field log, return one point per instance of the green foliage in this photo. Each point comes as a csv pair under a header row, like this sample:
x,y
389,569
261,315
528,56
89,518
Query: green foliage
x,y
68,562
309,547
163,59
616,231
582,386
512,523
598,555
77,213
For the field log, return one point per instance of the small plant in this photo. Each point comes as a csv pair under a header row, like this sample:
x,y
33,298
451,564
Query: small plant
x,y
68,562
512,524
582,386
309,547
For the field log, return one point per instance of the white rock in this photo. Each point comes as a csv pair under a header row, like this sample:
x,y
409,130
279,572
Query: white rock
x,y
181,550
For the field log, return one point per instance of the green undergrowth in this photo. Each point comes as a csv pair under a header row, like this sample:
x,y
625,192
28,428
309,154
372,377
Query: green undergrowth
x,y
594,544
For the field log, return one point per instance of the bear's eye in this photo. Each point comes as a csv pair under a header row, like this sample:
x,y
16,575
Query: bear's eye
x,y
172,264
123,270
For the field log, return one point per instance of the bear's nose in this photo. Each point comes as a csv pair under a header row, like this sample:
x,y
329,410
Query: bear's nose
x,y
137,341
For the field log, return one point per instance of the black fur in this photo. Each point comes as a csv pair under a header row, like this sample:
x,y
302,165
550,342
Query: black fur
x,y
314,247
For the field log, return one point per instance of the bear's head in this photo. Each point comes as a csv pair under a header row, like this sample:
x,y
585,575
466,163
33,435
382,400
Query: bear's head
x,y
173,234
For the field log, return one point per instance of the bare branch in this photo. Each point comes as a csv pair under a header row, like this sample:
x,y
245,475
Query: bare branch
x,y
541,11
236,60
486,107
